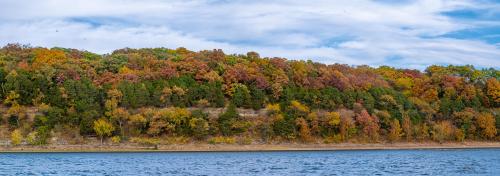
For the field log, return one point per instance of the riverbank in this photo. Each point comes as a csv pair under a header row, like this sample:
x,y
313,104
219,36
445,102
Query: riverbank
x,y
244,148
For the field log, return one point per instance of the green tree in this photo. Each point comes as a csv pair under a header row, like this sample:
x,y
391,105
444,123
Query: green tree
x,y
199,127
257,98
227,121
241,96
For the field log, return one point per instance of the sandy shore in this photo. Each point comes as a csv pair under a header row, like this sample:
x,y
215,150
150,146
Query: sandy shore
x,y
242,148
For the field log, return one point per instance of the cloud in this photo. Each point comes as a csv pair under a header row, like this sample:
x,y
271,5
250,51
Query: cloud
x,y
383,32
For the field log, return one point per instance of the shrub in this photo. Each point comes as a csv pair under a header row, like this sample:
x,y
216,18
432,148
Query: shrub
x,y
222,140
38,137
116,139
175,140
459,135
245,140
145,141
337,138
31,138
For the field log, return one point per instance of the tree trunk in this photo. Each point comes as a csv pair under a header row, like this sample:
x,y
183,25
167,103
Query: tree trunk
x,y
120,123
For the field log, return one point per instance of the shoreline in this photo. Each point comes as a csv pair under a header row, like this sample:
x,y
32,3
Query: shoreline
x,y
246,148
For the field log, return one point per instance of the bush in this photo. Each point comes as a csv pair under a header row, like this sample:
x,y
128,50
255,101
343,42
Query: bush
x,y
145,141
175,140
285,128
38,137
222,140
245,140
337,138
31,138
116,139
266,131
42,135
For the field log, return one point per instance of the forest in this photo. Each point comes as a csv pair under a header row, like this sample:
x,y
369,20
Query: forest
x,y
164,96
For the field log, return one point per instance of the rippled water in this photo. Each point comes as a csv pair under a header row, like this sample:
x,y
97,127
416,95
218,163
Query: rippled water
x,y
364,162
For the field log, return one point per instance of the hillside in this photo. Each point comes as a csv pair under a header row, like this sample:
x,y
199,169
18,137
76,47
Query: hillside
x,y
154,94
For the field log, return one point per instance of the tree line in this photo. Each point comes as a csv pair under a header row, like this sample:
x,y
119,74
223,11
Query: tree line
x,y
155,93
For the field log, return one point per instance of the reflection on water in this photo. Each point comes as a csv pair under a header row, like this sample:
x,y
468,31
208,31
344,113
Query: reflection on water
x,y
367,162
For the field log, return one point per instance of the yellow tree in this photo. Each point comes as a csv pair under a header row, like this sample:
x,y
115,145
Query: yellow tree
x,y
395,131
442,131
312,118
46,57
422,131
138,122
15,110
493,91
299,109
304,131
331,121
486,122
103,128
272,109
407,126
16,137
113,111
333,118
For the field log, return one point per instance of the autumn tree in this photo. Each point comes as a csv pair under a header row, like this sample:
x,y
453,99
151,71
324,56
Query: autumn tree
x,y
170,121
114,112
331,121
103,128
442,131
304,131
369,125
395,132
464,120
16,137
347,124
46,57
486,123
407,127
157,92
493,90
138,123
422,131
16,112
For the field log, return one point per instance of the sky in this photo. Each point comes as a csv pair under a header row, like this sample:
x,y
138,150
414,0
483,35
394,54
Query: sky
x,y
398,33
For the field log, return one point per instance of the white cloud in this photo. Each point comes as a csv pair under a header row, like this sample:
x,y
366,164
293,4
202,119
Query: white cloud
x,y
371,31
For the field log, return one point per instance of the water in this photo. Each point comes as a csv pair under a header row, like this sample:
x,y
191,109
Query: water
x,y
364,162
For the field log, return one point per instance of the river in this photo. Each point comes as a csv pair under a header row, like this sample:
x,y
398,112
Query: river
x,y
349,162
